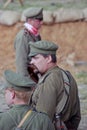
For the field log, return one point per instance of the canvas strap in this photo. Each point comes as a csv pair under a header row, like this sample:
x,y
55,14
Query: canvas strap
x,y
24,118
65,98
30,114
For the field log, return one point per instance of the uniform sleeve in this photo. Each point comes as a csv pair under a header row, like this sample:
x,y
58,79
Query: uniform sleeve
x,y
22,50
40,122
1,119
4,121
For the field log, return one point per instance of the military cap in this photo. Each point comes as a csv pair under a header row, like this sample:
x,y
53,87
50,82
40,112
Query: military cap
x,y
42,47
36,13
17,81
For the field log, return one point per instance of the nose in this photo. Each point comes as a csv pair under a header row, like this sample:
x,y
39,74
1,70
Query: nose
x,y
31,61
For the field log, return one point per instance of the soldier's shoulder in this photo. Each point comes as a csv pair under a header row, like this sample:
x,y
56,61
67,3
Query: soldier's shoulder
x,y
26,33
20,33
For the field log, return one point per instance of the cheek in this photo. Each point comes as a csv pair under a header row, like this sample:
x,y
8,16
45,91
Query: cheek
x,y
42,66
8,98
40,63
37,62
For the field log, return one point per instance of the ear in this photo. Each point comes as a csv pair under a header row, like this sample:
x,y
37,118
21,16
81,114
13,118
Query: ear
x,y
13,94
49,58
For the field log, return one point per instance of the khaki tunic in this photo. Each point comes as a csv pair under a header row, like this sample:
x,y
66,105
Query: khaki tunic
x,y
22,50
49,93
9,120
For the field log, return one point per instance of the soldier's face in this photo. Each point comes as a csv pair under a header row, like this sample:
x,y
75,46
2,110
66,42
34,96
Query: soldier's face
x,y
40,62
37,23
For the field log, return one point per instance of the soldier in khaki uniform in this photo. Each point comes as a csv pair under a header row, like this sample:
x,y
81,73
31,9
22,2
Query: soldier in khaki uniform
x,y
30,32
50,95
18,90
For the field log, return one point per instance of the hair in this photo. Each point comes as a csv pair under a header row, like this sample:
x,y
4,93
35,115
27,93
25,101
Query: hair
x,y
21,94
53,56
24,95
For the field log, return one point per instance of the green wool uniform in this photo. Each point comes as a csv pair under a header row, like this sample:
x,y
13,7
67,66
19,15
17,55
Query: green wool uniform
x,y
11,119
23,38
50,95
22,49
49,91
35,121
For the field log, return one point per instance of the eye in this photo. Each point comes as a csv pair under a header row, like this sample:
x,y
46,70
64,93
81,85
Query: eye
x,y
35,57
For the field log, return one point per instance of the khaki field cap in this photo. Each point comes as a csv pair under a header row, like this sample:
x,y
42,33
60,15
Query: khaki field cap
x,y
17,81
42,47
36,13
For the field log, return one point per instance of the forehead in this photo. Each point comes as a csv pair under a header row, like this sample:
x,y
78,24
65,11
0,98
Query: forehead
x,y
34,20
37,56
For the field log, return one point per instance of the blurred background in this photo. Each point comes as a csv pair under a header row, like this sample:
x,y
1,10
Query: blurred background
x,y
65,23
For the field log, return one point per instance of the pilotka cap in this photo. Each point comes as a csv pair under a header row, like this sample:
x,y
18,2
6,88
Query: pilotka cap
x,y
42,47
36,13
17,81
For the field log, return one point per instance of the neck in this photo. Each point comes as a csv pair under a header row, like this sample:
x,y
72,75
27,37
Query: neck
x,y
49,67
20,102
31,29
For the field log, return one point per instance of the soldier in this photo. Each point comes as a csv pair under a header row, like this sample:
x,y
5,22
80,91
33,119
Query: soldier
x,y
18,90
9,1
34,20
51,96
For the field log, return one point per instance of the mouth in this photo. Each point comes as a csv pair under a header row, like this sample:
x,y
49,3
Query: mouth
x,y
33,68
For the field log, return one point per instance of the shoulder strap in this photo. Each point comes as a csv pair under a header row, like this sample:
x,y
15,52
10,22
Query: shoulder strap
x,y
24,118
24,122
42,79
66,81
65,98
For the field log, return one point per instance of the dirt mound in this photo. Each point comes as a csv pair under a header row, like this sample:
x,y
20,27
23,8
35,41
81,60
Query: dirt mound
x,y
71,38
